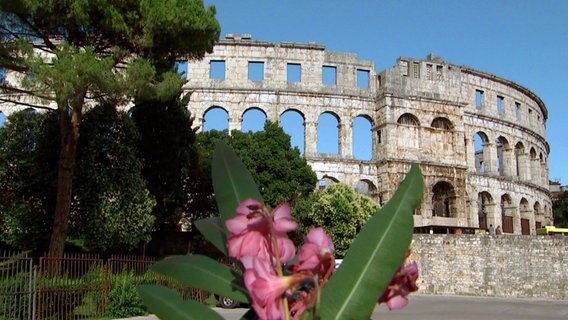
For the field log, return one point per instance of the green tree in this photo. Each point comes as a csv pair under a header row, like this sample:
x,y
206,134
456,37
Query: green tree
x,y
111,207
339,210
70,52
281,173
167,148
560,208
28,175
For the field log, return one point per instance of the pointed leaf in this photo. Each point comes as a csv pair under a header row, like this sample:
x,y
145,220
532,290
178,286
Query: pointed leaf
x,y
202,272
214,231
374,255
168,304
232,182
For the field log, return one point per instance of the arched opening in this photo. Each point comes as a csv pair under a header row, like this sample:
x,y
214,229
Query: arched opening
x,y
328,133
216,118
443,199
326,181
408,119
442,123
535,170
480,142
292,122
502,146
519,159
365,187
507,213
484,202
253,120
408,131
525,214
362,138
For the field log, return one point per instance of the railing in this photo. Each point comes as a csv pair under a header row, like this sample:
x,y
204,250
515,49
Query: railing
x,y
82,287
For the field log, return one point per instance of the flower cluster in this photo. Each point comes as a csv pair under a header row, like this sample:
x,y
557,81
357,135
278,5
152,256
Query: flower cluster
x,y
281,286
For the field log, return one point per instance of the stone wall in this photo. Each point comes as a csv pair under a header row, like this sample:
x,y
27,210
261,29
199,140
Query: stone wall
x,y
483,265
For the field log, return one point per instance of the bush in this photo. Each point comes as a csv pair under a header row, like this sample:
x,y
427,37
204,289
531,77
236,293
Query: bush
x,y
15,294
123,300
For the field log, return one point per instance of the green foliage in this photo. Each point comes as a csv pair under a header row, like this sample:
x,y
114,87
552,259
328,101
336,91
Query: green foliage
x,y
281,173
112,206
16,293
339,210
352,293
167,149
375,255
103,51
28,173
168,304
202,272
123,300
560,208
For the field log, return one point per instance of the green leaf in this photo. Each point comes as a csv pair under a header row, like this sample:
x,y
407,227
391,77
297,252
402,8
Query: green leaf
x,y
374,256
168,304
203,272
232,182
214,231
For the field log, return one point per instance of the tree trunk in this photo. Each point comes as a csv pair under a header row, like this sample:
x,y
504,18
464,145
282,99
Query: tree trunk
x,y
69,130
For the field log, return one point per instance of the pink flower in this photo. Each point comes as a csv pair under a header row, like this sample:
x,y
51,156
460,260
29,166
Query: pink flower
x,y
266,288
283,221
317,248
402,284
250,231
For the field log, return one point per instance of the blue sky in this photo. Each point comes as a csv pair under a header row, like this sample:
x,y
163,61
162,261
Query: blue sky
x,y
523,41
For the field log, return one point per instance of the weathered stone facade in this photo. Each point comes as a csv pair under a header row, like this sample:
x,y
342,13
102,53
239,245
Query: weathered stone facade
x,y
425,111
421,111
483,265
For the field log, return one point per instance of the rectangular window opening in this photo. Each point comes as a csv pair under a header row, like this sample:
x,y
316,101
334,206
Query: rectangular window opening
x,y
217,69
363,78
500,104
294,72
379,136
416,69
429,75
518,110
404,68
479,99
181,68
256,70
439,73
329,75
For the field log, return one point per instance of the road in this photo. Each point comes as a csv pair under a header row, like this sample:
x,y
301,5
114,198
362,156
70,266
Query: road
x,y
428,307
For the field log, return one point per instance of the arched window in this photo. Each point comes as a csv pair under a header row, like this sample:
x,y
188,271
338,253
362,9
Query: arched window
x,y
292,122
519,154
443,199
506,213
365,187
408,119
480,141
484,199
216,118
442,123
362,138
502,146
326,181
328,133
253,120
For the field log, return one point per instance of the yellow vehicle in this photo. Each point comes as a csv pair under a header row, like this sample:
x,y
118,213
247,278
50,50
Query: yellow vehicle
x,y
552,230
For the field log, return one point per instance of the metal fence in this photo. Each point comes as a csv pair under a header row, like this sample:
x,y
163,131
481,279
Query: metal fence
x,y
78,289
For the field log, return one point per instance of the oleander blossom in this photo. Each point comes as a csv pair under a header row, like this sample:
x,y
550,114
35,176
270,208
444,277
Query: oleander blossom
x,y
253,228
401,285
279,289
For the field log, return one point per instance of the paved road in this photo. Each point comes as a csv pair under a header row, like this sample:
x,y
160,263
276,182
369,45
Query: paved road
x,y
426,307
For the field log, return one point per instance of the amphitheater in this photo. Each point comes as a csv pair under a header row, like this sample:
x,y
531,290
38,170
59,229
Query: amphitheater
x,y
479,139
